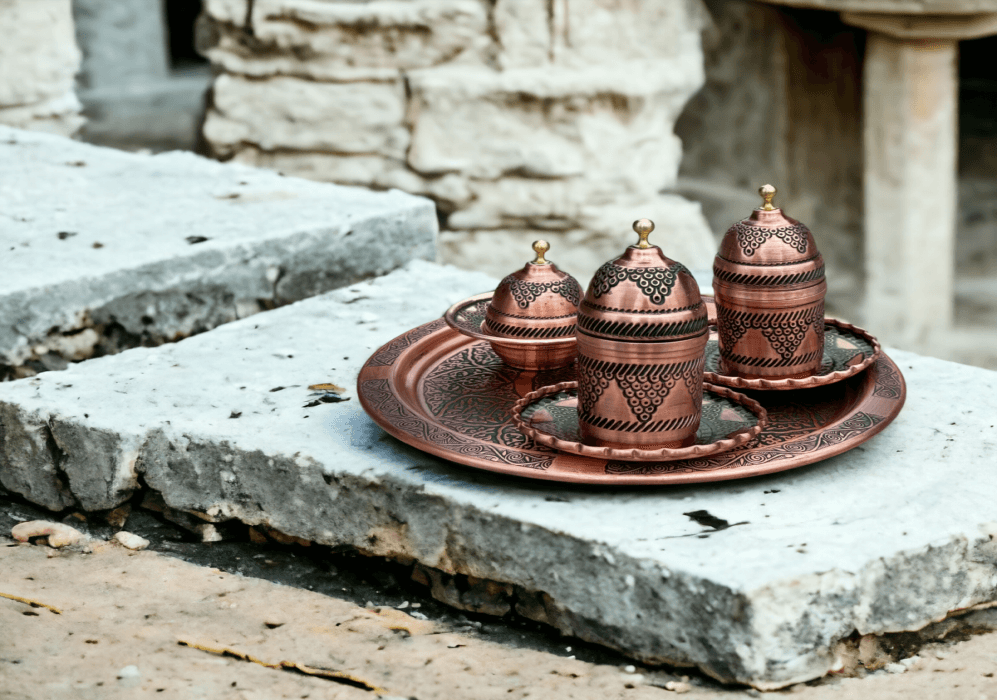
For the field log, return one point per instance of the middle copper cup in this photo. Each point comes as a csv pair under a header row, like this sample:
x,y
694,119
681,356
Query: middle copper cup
x,y
642,332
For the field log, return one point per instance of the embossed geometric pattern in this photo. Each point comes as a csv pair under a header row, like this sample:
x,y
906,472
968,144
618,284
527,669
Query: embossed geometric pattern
x,y
784,331
751,238
623,329
773,280
644,387
656,283
525,293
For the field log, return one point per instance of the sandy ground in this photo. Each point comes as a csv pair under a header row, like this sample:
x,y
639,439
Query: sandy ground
x,y
172,621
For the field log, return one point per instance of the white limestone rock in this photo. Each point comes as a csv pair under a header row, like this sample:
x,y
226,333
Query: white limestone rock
x,y
345,40
606,32
308,115
523,30
168,245
38,52
129,540
611,125
763,602
39,60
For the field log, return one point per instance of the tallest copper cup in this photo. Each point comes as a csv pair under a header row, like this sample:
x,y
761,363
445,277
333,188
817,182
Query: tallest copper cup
x,y
642,332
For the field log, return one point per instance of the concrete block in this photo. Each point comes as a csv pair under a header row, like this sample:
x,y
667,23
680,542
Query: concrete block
x,y
885,538
159,247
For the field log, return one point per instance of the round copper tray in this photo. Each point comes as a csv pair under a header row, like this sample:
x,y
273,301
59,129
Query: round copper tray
x,y
729,419
451,396
847,351
468,316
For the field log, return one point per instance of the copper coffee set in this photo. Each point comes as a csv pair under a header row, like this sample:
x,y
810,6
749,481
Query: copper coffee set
x,y
635,354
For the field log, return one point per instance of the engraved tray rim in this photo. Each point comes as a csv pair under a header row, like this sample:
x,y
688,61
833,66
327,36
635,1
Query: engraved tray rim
x,y
389,396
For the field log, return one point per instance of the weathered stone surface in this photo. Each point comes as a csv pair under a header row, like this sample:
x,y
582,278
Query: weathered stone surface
x,y
509,114
524,33
38,52
39,58
612,125
333,40
903,7
605,32
159,247
884,538
305,114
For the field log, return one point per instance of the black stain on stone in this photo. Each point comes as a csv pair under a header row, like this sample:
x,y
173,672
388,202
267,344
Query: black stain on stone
x,y
706,520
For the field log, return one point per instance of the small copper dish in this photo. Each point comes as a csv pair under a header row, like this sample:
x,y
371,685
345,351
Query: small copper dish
x,y
725,424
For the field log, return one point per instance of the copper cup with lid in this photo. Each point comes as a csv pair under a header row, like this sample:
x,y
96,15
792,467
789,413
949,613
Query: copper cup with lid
x,y
769,284
642,332
536,303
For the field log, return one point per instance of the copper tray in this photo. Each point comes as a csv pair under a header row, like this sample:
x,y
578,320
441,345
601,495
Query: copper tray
x,y
451,396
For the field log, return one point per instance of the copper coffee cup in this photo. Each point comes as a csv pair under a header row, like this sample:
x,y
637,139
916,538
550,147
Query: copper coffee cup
x,y
642,331
768,280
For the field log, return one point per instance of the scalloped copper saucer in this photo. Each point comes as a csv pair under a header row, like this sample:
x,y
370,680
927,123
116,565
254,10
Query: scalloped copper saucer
x,y
549,416
848,350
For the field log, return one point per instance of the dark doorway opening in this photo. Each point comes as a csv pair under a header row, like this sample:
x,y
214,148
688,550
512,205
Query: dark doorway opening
x,y
180,18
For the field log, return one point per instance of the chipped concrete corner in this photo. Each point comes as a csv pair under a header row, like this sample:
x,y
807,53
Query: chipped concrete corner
x,y
220,426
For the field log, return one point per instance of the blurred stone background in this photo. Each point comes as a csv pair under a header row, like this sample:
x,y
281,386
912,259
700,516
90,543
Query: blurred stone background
x,y
564,119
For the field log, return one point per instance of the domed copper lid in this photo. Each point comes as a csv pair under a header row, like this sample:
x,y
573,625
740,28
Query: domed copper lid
x,y
768,237
642,296
538,301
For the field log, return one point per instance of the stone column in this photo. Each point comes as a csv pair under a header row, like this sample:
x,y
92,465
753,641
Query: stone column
x,y
910,144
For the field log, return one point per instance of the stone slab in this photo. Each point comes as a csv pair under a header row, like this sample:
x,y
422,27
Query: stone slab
x,y
167,245
885,538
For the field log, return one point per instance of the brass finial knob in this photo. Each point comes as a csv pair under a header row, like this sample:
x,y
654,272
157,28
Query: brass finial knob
x,y
540,247
643,227
767,192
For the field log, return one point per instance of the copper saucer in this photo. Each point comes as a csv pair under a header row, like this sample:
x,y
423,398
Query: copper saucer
x,y
848,350
468,317
549,416
451,396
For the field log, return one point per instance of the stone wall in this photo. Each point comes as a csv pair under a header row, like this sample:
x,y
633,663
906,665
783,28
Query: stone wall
x,y
38,64
518,117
